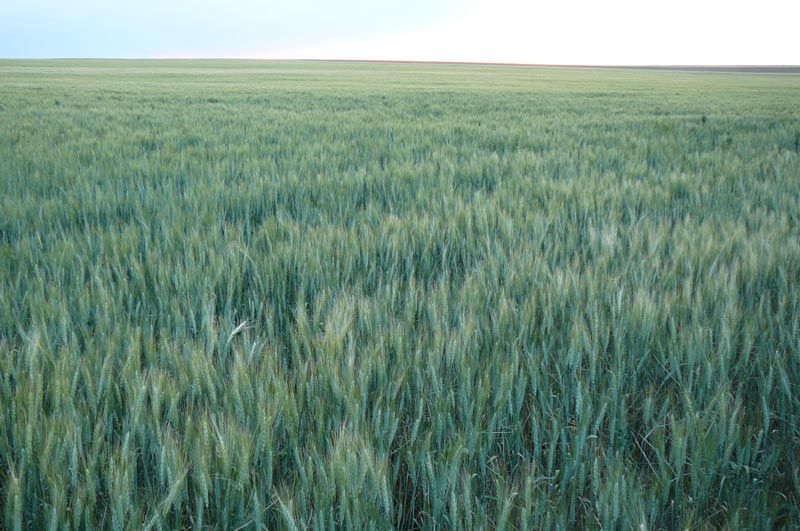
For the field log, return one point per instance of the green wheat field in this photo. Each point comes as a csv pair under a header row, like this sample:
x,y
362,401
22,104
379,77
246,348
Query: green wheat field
x,y
292,295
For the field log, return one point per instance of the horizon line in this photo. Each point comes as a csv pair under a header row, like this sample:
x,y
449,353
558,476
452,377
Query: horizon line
x,y
670,66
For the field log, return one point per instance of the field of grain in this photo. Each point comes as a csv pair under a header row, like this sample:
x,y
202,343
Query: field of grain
x,y
307,295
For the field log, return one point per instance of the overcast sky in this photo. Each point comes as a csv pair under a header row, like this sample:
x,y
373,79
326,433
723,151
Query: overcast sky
x,y
533,31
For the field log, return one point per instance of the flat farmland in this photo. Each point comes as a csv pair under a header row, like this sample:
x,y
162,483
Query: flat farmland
x,y
290,295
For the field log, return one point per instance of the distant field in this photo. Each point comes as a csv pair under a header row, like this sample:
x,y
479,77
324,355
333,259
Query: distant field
x,y
287,295
743,69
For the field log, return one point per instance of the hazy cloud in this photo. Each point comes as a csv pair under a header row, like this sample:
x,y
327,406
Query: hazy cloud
x,y
566,31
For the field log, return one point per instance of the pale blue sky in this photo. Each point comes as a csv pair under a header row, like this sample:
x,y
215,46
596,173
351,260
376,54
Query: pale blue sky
x,y
524,31
148,28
